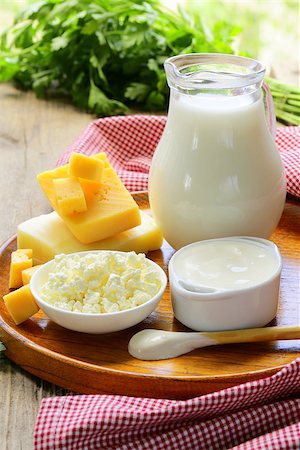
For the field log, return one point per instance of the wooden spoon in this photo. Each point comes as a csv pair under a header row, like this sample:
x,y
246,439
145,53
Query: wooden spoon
x,y
158,344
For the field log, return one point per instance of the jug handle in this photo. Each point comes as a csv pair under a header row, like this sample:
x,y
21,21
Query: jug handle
x,y
269,109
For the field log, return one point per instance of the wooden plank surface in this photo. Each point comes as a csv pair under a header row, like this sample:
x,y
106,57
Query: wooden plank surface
x,y
33,133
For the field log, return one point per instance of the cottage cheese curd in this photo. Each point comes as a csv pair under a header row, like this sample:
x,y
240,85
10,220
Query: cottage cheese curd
x,y
100,282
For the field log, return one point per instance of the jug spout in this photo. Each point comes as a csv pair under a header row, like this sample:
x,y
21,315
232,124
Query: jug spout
x,y
213,72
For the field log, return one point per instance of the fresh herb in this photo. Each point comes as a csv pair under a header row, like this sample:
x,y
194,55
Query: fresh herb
x,y
106,55
286,101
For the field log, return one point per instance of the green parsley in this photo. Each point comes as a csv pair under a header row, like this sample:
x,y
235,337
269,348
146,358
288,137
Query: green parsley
x,y
105,55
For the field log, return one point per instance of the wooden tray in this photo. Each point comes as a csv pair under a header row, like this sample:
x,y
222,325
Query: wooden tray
x,y
101,364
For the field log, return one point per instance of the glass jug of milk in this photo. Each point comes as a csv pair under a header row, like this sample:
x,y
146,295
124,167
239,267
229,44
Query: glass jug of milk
x,y
216,171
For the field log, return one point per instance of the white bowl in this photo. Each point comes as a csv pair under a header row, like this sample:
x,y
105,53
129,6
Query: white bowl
x,y
94,323
203,308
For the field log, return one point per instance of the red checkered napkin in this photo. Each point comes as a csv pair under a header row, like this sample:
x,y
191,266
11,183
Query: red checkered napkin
x,y
263,414
288,143
129,142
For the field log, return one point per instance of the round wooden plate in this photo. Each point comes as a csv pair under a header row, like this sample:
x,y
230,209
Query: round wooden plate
x,y
101,364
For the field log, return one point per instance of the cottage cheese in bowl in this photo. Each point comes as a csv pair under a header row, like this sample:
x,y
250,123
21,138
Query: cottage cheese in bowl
x,y
98,291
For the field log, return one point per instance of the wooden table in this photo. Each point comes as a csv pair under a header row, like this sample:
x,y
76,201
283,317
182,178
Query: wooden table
x,y
33,133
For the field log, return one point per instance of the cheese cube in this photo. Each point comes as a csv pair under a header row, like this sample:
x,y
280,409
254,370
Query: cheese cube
x,y
109,211
27,274
21,304
90,189
20,260
69,195
48,236
87,167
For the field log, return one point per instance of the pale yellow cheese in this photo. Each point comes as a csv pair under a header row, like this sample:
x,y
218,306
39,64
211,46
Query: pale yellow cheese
x,y
110,210
20,260
86,167
48,236
69,195
21,304
27,274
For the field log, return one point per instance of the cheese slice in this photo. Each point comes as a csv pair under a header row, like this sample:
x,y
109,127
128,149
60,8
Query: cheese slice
x,y
48,236
110,210
21,304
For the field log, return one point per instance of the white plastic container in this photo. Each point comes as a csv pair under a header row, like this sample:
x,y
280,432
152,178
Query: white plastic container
x,y
225,284
216,171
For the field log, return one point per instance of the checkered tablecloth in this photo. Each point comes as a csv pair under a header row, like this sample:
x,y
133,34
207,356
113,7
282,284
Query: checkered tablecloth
x,y
259,415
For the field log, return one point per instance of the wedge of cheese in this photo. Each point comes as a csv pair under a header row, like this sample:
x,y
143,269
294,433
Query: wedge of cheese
x,y
110,210
48,236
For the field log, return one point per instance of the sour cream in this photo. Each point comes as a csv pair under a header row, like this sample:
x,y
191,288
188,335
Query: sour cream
x,y
226,283
226,264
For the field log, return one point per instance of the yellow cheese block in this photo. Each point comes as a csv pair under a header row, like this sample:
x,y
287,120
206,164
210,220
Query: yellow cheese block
x,y
109,211
27,274
69,195
86,167
20,260
48,236
21,304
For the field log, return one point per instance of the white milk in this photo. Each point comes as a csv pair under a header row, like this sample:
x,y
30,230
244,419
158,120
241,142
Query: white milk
x,y
216,171
226,264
